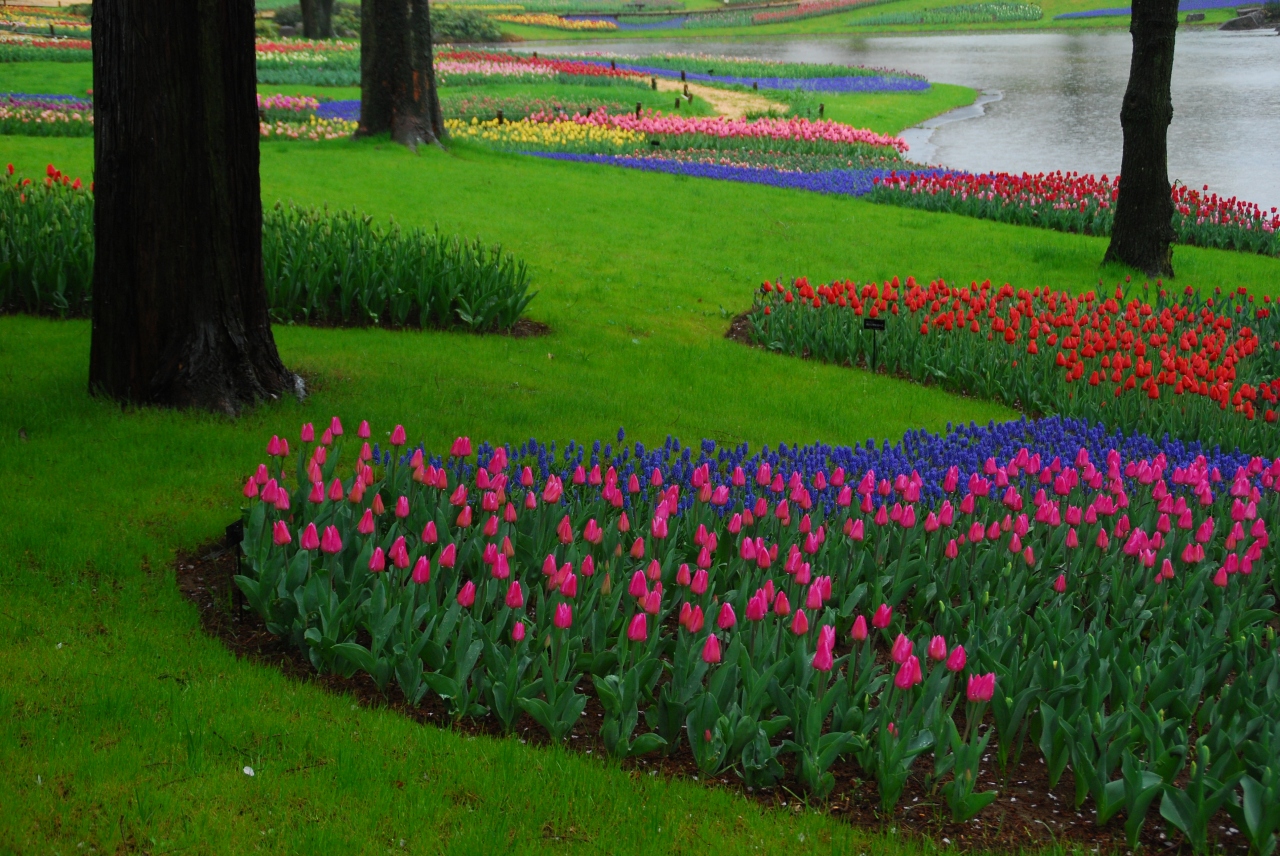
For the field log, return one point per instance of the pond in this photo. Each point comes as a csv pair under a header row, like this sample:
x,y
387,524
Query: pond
x,y
1052,100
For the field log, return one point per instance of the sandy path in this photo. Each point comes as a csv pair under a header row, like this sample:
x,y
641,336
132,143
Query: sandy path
x,y
735,105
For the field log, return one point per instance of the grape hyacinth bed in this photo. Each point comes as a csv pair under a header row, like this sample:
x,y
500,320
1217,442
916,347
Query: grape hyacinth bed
x,y
1183,6
1177,363
1072,202
928,612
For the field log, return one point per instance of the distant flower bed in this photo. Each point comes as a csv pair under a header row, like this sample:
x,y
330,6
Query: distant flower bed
x,y
971,13
1184,6
811,9
1071,202
45,116
273,108
765,74
321,267
487,107
310,63
19,48
312,128
43,21
543,19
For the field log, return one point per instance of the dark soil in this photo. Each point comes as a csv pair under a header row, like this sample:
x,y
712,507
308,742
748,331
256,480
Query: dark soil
x,y
1027,815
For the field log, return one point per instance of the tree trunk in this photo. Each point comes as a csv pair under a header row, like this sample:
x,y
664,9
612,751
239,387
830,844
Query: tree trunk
x,y
1142,236
398,82
310,25
324,19
179,305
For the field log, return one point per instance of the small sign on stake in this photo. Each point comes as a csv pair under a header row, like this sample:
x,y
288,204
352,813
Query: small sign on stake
x,y
875,325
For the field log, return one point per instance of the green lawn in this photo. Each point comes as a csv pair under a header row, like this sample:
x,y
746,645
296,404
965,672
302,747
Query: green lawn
x,y
122,726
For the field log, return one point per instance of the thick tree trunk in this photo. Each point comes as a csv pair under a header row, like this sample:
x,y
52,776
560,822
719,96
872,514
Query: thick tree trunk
x,y
310,25
324,19
1142,236
398,83
179,305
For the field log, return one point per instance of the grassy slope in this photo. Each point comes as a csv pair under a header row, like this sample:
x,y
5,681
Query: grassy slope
x,y
121,721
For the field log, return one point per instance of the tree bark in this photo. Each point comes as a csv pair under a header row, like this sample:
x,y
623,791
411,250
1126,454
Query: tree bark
x,y
398,82
1142,236
179,304
310,25
324,19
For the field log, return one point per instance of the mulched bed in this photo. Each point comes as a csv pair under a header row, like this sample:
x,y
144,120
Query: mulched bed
x,y
1026,815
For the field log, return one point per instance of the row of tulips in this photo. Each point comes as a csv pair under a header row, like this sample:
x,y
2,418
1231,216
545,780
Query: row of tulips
x,y
700,66
42,116
1177,363
321,267
1103,598
811,9
1072,202
22,48
545,19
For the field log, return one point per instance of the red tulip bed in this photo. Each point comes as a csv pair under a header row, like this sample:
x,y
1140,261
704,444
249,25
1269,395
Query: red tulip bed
x,y
1176,363
929,611
1071,202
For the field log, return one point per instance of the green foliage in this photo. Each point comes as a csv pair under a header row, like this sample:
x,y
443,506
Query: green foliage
x,y
320,267
451,24
970,13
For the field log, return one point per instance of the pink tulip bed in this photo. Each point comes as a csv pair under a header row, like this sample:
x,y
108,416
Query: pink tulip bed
x,y
935,615
1072,202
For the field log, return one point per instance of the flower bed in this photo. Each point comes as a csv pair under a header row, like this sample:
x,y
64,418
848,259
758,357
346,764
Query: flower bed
x,y
620,133
811,9
1106,596
321,267
313,129
273,108
18,48
1180,364
310,63
969,13
543,19
766,74
45,116
1071,202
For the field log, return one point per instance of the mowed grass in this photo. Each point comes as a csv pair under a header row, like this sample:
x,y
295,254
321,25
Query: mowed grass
x,y
122,726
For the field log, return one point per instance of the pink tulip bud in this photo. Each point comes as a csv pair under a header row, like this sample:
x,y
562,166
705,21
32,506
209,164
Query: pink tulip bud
x,y
397,436
563,617
362,431
823,658
957,660
1220,578
377,562
501,567
781,606
726,618
308,434
467,594
696,620
402,507
448,556
250,488
461,447
429,533
981,687
883,616
280,534
422,571
700,582
517,632
653,600
331,541
901,649
365,526
1060,584
310,538
515,595
800,623
859,631
569,585
637,549
938,649
638,630
335,427
909,674
711,650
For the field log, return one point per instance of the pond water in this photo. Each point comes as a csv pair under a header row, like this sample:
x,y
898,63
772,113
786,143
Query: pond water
x,y
1052,100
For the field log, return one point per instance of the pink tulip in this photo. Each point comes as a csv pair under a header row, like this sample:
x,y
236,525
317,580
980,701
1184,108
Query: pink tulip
x,y
422,571
782,606
653,601
310,538
981,687
823,659
377,562
938,649
682,576
280,534
429,535
957,660
711,649
638,630
331,541
461,447
448,556
517,632
700,582
308,434
800,623
402,507
397,436
250,488
365,526
467,594
569,585
362,431
883,616
726,618
909,674
696,620
639,587
335,427
1060,584
859,631
1220,578
901,649
563,617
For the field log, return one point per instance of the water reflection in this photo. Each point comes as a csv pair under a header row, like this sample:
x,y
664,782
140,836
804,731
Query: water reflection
x,y
1061,98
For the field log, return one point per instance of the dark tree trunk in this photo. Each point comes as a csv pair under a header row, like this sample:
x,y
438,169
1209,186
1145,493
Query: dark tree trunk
x,y
179,305
1142,236
310,25
398,81
324,19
